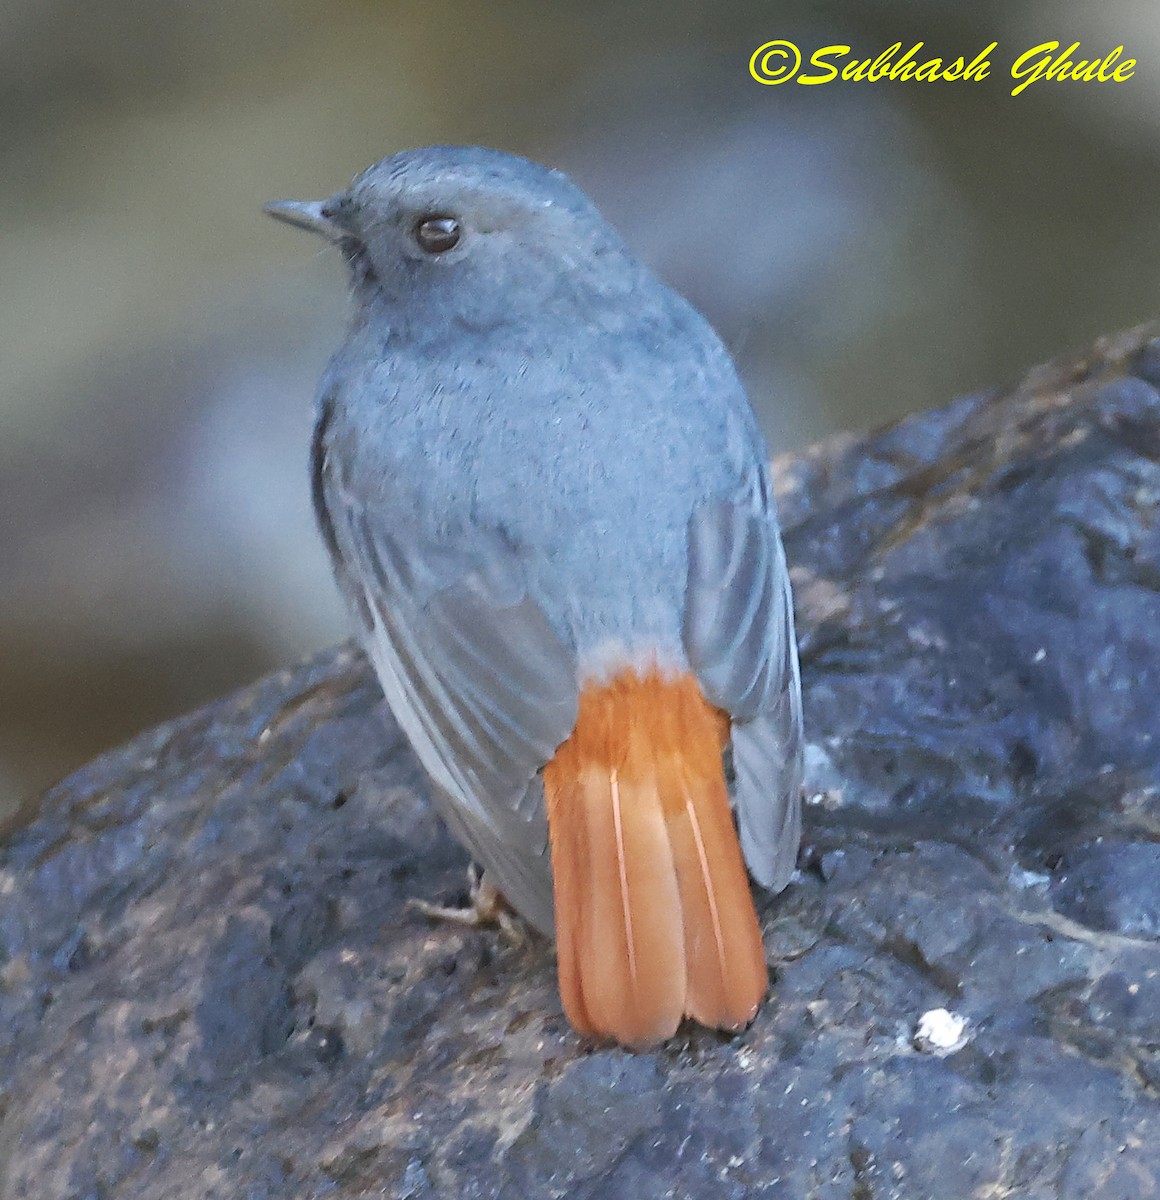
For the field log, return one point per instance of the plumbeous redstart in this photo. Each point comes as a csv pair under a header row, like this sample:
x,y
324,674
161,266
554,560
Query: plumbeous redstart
x,y
548,505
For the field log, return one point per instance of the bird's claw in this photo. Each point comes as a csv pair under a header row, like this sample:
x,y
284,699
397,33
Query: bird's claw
x,y
486,906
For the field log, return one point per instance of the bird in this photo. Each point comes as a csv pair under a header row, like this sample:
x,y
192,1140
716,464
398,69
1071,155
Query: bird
x,y
548,504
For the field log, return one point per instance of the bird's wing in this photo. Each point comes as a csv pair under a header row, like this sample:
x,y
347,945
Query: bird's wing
x,y
474,673
739,637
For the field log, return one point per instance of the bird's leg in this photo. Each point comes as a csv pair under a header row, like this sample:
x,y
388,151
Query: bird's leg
x,y
486,906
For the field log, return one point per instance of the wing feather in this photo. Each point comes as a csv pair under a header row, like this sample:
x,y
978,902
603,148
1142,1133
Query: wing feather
x,y
476,676
739,637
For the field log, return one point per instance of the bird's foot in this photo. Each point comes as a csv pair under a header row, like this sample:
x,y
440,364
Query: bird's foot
x,y
486,906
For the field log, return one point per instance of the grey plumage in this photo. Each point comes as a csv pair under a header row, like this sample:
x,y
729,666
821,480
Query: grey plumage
x,y
535,464
740,639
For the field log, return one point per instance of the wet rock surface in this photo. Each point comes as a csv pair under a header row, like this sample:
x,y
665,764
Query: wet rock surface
x,y
211,986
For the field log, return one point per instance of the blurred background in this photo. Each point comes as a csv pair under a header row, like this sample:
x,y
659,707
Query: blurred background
x,y
865,250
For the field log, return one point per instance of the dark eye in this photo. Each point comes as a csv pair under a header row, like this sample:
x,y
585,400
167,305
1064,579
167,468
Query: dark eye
x,y
437,235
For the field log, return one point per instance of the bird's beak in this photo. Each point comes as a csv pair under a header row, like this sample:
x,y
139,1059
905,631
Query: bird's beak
x,y
314,215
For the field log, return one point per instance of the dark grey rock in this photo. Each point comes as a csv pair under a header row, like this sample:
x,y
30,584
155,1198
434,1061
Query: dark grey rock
x,y
1112,885
211,985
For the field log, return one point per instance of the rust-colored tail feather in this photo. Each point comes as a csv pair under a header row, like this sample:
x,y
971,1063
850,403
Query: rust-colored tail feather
x,y
654,917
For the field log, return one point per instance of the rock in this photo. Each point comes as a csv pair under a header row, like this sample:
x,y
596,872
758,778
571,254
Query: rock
x,y
211,985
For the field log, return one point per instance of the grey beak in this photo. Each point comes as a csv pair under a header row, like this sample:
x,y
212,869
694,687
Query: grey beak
x,y
306,214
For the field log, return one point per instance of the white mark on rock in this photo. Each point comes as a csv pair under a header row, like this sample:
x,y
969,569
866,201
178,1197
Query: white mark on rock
x,y
940,1032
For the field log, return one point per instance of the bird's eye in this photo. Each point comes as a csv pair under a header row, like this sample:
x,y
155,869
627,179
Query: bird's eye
x,y
437,235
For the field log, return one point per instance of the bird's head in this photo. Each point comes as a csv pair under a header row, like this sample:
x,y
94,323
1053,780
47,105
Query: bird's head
x,y
466,231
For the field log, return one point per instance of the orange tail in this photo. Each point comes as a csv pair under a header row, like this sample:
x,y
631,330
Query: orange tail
x,y
654,917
